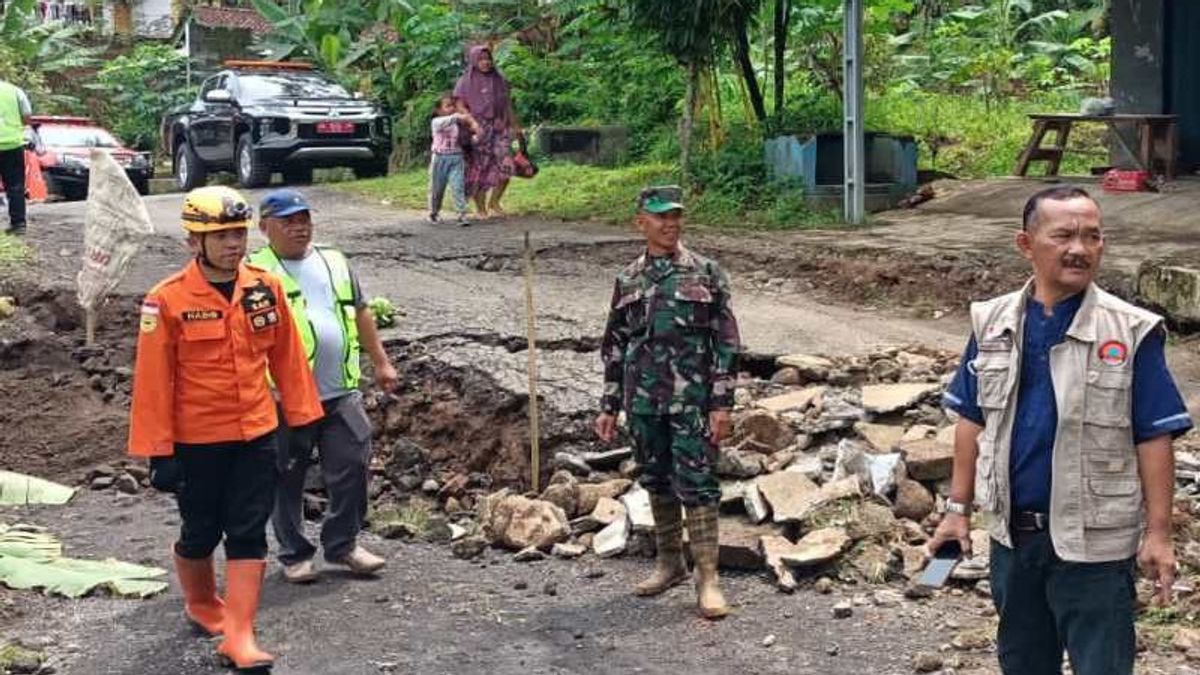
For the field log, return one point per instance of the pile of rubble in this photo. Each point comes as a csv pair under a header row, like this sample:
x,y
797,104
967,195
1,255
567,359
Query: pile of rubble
x,y
835,466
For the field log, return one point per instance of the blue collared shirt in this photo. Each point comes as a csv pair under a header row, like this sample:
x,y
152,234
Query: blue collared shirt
x,y
1158,408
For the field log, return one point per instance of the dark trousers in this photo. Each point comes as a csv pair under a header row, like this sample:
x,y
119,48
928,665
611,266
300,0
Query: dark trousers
x,y
227,491
676,457
343,440
12,172
1047,604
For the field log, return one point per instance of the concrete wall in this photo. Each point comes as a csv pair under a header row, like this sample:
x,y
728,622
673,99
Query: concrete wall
x,y
211,47
152,19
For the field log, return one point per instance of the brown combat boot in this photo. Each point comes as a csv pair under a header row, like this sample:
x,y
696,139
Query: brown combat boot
x,y
243,585
702,535
669,567
200,600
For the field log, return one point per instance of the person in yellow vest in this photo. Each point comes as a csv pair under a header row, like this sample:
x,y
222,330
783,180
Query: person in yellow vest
x,y
14,115
336,326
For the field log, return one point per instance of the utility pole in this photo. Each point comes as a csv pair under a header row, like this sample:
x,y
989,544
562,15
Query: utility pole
x,y
853,138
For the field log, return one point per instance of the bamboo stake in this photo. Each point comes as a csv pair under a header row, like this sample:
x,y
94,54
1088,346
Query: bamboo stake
x,y
531,336
89,321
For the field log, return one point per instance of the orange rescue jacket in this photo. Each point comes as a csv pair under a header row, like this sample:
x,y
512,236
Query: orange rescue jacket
x,y
202,360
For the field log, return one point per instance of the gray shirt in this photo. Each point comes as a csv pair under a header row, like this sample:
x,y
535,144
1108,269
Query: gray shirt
x,y
313,277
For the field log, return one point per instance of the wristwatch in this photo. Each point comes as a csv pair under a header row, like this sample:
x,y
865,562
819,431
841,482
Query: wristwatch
x,y
958,507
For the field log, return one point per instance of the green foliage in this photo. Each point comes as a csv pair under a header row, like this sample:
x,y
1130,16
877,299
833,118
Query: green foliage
x,y
383,311
139,88
13,251
39,57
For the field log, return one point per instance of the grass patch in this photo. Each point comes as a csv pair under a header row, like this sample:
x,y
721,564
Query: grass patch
x,y
16,658
13,251
576,192
412,518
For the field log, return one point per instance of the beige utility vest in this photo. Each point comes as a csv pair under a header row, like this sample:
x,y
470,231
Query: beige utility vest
x,y
1095,494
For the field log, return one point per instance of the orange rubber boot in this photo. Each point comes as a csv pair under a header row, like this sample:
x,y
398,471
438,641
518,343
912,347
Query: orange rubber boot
x,y
200,600
243,584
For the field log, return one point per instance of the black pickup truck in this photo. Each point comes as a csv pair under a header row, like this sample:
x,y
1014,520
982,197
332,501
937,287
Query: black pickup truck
x,y
258,118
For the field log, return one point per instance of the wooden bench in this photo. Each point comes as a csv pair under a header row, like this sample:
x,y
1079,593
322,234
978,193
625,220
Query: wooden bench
x,y
1157,137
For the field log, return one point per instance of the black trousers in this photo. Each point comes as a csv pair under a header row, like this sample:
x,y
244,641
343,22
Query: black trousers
x,y
12,172
227,491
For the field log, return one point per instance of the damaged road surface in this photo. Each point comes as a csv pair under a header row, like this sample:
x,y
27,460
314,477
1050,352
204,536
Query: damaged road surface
x,y
456,432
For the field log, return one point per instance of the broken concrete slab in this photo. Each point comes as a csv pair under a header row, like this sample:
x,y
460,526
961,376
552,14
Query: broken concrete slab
x,y
607,460
811,367
612,540
773,548
1173,288
817,547
918,432
881,399
637,505
740,546
789,494
808,464
975,567
564,550
870,520
796,400
736,463
881,437
928,459
756,507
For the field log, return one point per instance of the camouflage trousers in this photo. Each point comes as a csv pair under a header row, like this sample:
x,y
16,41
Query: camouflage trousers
x,y
676,457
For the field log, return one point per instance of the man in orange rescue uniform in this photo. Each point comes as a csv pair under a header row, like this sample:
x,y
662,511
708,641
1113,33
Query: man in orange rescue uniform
x,y
202,406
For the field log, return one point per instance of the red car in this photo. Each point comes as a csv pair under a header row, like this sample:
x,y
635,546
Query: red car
x,y
67,144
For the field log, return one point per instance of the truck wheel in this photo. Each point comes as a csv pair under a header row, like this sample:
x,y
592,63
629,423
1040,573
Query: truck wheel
x,y
189,170
252,172
373,170
298,176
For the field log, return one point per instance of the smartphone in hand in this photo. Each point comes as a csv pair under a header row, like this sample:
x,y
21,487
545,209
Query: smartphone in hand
x,y
937,572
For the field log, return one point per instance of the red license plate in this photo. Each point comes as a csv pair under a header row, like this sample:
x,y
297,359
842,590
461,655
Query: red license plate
x,y
335,127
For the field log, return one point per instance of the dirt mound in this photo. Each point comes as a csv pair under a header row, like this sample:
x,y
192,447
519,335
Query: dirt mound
x,y
66,405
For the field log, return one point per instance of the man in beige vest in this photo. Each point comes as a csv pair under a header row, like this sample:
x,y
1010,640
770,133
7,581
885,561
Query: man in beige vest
x,y
1067,413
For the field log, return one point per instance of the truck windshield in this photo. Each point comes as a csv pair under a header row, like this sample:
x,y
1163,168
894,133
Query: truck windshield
x,y
76,137
266,86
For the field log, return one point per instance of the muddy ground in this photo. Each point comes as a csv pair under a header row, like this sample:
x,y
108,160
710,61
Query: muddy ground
x,y
461,352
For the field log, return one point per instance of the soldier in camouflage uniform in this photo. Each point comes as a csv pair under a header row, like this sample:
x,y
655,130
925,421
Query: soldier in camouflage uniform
x,y
669,353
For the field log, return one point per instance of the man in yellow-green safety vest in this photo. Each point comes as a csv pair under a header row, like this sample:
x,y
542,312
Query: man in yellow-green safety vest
x,y
14,115
336,326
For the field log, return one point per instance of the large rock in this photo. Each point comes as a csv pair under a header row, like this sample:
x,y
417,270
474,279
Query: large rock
x,y
774,547
796,400
1176,289
913,501
637,505
818,547
763,431
881,399
871,521
789,494
929,459
736,463
563,495
811,368
877,564
612,540
590,494
517,522
881,437
608,511
740,546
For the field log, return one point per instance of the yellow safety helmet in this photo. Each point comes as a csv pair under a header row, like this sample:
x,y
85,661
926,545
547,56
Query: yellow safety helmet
x,y
209,209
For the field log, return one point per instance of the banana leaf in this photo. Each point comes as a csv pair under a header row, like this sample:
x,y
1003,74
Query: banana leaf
x,y
32,558
19,489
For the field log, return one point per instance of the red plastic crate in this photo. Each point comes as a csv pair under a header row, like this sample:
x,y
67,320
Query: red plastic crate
x,y
1118,180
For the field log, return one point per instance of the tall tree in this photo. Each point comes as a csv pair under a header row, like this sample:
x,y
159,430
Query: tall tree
x,y
736,22
782,11
687,31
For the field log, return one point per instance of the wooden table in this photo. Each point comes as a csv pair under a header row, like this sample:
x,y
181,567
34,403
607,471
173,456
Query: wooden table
x,y
1157,138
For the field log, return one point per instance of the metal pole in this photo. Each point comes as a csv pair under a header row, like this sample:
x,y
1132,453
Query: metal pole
x,y
853,139
187,49
535,453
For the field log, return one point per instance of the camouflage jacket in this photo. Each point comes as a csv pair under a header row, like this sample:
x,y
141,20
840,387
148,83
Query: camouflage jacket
x,y
671,342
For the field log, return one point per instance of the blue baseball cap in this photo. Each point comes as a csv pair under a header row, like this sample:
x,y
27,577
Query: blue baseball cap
x,y
282,203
